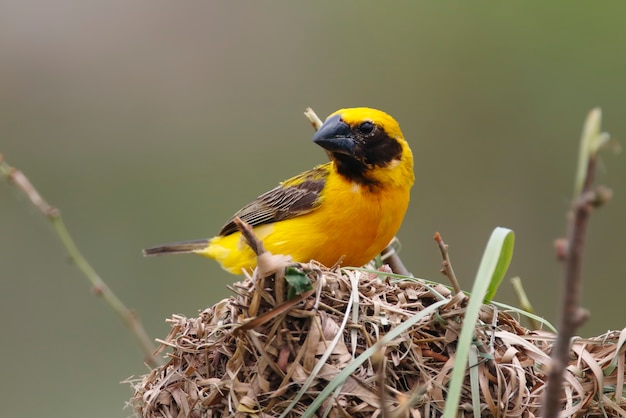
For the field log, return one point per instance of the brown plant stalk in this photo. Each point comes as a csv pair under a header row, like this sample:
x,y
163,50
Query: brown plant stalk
x,y
570,251
100,288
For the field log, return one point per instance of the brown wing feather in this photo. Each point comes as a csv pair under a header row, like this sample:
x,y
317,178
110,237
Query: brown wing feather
x,y
294,197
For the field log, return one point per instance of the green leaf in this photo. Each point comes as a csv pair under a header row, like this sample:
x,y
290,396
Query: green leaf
x,y
498,253
592,140
493,265
298,282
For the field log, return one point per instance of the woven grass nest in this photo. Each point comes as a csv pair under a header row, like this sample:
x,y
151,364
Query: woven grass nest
x,y
328,351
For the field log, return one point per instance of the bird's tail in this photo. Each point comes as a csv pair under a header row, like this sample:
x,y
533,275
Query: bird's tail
x,y
178,247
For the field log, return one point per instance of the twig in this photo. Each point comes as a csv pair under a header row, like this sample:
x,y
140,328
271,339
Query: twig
x,y
255,244
268,264
446,268
316,122
391,257
100,288
572,315
273,313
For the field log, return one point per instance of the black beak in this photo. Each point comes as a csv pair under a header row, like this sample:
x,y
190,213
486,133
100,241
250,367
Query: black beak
x,y
335,136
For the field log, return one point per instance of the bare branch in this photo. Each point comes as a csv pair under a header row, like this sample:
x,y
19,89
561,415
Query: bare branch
x,y
447,264
570,251
100,288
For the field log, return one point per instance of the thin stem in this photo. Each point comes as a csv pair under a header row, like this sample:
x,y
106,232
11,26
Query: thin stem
x,y
101,289
446,268
523,301
251,239
572,315
316,122
393,260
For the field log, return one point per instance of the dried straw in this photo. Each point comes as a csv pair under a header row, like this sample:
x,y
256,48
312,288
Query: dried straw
x,y
226,363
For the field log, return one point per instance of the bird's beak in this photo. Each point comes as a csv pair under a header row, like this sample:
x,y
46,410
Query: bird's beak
x,y
335,136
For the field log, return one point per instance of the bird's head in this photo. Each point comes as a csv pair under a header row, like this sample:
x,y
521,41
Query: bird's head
x,y
367,147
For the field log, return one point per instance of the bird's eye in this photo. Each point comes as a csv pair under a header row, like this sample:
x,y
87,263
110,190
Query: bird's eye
x,y
366,128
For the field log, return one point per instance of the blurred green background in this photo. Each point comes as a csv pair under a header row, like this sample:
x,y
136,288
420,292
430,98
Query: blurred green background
x,y
153,121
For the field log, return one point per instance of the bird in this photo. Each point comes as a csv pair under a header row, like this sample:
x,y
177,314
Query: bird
x,y
348,209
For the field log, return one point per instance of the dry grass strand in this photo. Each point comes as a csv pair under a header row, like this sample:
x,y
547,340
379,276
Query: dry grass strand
x,y
219,367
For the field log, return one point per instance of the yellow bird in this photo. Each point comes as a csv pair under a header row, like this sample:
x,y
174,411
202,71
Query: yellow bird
x,y
350,207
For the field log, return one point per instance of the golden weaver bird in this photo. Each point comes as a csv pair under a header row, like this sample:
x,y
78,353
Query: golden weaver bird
x,y
350,207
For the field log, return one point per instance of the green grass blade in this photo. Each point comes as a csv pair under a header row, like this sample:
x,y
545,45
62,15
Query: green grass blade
x,y
527,314
592,140
499,251
474,384
492,268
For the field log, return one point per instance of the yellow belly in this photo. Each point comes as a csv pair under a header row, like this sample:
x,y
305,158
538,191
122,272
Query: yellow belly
x,y
355,224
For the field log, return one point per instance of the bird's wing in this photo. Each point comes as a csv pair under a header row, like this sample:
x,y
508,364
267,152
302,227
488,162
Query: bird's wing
x,y
294,197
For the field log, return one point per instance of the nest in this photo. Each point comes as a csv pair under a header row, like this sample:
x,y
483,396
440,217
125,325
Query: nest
x,y
257,354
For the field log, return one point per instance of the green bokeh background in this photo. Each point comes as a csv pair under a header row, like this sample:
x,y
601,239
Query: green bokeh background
x,y
153,121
